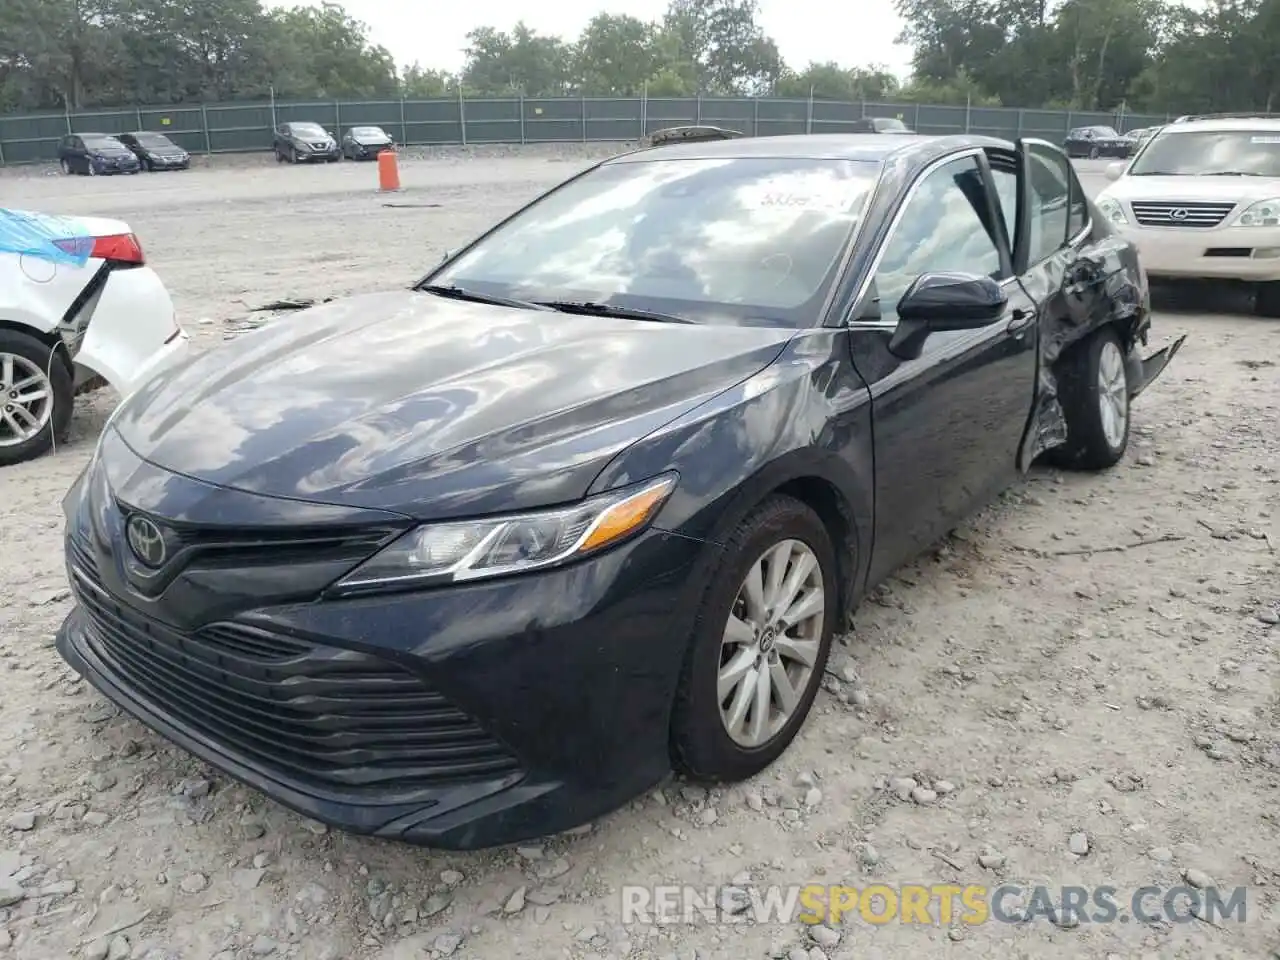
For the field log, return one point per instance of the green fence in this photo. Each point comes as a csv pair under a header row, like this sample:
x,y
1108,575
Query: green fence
x,y
243,127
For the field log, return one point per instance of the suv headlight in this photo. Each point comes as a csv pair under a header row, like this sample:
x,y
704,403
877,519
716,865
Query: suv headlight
x,y
465,550
1264,213
1110,208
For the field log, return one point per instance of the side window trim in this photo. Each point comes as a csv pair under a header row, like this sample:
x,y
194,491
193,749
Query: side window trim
x,y
867,283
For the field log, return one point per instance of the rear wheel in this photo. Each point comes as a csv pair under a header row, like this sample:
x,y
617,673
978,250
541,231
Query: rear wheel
x,y
759,645
1093,389
1094,153
37,394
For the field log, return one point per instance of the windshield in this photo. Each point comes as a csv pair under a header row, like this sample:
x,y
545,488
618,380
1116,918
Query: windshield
x,y
103,143
308,130
746,240
153,140
1203,153
888,125
367,132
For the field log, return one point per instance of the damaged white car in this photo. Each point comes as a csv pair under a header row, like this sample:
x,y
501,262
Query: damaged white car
x,y
79,307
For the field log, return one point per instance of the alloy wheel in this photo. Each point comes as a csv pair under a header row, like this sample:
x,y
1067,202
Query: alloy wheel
x,y
1113,394
26,400
771,643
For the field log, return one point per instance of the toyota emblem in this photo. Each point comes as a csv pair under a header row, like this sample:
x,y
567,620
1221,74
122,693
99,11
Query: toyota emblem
x,y
146,541
1178,213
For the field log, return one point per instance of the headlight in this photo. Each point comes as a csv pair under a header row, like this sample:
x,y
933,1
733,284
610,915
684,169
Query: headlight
x,y
475,549
1264,213
1110,208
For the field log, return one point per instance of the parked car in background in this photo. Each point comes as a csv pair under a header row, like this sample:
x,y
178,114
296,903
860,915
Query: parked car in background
x,y
477,561
78,306
1095,142
1202,201
692,133
94,154
879,125
305,143
365,143
155,151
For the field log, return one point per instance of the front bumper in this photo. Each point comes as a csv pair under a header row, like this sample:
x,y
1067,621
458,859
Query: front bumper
x,y
461,717
1222,253
319,156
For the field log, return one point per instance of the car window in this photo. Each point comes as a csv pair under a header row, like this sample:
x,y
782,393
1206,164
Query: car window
x,y
1049,171
939,231
1173,152
1006,181
1078,208
753,239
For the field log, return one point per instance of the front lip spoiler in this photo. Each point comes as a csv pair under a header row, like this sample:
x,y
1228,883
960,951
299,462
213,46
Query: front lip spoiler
x,y
1153,366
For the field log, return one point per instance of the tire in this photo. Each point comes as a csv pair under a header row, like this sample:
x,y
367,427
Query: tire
x,y
701,744
65,167
1267,300
27,354
293,155
90,171
1094,153
1095,401
279,155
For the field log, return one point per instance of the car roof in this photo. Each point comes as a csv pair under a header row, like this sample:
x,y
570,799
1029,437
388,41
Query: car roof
x,y
865,147
1224,125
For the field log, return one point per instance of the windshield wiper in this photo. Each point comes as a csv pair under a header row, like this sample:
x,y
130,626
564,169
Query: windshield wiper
x,y
454,292
594,309
1231,173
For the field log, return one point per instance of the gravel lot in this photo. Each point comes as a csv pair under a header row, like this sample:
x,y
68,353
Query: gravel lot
x,y
1130,695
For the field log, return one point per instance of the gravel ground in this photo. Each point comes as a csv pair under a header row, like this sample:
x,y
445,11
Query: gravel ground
x,y
1067,718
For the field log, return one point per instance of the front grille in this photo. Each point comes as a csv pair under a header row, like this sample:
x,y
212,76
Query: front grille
x,y
321,146
1177,213
316,716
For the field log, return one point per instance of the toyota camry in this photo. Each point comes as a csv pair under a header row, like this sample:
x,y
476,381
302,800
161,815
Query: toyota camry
x,y
476,561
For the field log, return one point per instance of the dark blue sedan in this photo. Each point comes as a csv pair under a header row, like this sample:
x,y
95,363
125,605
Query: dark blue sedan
x,y
477,561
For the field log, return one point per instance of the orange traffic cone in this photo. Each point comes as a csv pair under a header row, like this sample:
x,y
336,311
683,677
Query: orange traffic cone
x,y
388,171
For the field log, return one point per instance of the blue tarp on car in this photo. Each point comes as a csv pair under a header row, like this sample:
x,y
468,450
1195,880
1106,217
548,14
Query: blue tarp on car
x,y
49,237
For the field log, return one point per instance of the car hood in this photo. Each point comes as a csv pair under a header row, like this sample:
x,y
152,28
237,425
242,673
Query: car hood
x,y
1222,189
372,141
432,407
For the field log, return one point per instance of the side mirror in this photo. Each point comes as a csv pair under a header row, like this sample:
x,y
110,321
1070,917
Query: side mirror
x,y
1115,170
936,302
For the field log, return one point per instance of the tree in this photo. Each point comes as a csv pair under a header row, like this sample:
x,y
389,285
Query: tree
x,y
616,56
726,48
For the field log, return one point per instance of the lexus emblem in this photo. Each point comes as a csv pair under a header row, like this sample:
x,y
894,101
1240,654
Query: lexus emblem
x,y
146,541
1178,213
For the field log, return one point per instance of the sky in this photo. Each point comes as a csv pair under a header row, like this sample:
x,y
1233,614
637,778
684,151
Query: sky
x,y
435,35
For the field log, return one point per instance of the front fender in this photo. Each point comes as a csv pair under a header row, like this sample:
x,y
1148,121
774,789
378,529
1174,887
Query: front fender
x,y
803,424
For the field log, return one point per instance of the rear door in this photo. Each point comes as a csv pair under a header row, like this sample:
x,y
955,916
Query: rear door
x,y
1047,212
948,424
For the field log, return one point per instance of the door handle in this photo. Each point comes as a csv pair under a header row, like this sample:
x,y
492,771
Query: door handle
x,y
1020,323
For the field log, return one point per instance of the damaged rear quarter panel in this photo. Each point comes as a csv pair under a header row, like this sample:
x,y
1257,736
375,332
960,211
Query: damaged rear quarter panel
x,y
1095,280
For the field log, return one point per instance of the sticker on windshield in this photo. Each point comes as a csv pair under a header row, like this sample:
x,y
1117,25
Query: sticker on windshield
x,y
1266,139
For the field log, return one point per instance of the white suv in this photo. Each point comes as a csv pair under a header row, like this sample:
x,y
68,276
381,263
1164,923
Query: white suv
x,y
1201,199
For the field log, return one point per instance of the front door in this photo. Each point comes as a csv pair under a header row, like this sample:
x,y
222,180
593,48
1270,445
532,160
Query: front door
x,y
948,424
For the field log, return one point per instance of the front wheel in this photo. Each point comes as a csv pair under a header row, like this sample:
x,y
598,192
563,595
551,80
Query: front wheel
x,y
37,394
759,645
1094,153
1093,389
1267,300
